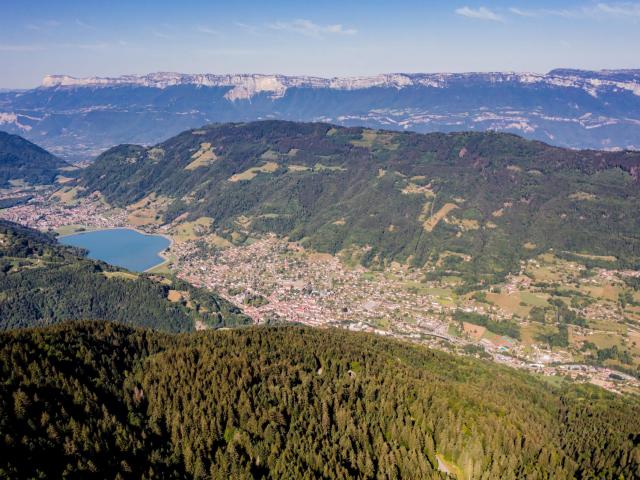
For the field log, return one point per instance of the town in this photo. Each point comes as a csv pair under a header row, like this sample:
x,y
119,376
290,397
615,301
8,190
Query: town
x,y
275,281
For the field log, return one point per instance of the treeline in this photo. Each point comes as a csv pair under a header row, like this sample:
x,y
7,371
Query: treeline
x,y
42,282
100,400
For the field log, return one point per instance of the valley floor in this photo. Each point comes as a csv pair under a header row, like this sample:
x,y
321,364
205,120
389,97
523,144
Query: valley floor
x,y
274,281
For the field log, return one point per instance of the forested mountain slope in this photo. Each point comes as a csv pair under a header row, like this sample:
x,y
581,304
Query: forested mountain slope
x,y
98,400
475,202
22,160
42,282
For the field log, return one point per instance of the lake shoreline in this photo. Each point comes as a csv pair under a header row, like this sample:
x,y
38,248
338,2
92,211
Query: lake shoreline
x,y
162,254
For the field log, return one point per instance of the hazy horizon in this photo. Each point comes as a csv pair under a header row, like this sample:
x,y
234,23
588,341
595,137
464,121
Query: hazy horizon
x,y
330,39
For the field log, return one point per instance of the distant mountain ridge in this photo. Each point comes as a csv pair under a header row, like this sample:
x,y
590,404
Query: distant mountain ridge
x,y
79,118
245,86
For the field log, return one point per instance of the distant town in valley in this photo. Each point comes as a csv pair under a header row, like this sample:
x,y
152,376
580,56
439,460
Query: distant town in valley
x,y
278,281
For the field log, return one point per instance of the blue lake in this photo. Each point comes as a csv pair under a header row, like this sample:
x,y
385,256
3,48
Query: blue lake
x,y
122,247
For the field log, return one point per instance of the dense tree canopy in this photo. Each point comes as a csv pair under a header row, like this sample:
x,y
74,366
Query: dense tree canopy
x,y
42,282
25,161
100,400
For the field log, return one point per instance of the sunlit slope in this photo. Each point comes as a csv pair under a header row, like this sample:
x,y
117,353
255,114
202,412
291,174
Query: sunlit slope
x,y
385,195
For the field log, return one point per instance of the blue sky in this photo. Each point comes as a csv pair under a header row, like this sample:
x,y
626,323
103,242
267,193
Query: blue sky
x,y
326,38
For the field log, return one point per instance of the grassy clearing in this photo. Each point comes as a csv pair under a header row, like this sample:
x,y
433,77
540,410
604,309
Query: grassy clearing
x,y
607,292
381,323
203,157
371,138
218,241
319,167
163,268
251,173
607,326
448,466
605,258
141,218
414,188
432,221
270,155
601,340
63,180
533,299
474,331
582,196
70,229
175,296
466,224
67,195
18,182
148,211
123,275
528,333
545,273
155,154
191,230
297,168
510,303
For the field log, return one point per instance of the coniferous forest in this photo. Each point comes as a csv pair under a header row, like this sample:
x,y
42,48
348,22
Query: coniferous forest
x,y
102,400
43,282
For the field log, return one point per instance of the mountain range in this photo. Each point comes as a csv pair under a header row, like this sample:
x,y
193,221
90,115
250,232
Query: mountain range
x,y
79,118
476,203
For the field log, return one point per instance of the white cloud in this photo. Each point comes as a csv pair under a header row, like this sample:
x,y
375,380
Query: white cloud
x,y
618,9
207,30
523,13
84,25
598,11
310,29
159,34
481,13
43,25
252,29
